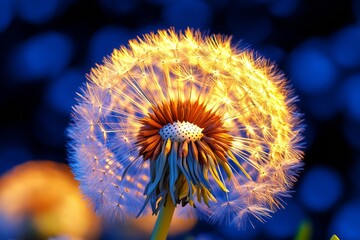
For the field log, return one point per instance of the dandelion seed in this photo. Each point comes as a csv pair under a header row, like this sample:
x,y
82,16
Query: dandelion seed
x,y
188,120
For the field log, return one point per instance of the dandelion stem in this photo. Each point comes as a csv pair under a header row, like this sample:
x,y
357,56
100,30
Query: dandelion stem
x,y
163,221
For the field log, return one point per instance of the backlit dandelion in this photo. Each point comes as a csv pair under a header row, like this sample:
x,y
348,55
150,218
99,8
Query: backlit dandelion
x,y
181,119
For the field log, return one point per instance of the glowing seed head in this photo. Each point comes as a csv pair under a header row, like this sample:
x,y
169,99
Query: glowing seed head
x,y
191,117
180,131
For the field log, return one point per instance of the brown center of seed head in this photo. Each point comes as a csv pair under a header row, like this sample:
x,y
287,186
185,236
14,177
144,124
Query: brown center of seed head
x,y
197,129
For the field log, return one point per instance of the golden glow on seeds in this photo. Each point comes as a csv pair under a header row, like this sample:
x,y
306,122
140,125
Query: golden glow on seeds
x,y
239,101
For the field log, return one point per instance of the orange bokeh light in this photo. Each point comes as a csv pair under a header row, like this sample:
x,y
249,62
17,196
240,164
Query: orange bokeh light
x,y
42,198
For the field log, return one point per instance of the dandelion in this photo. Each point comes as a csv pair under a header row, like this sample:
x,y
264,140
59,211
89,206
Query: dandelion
x,y
186,120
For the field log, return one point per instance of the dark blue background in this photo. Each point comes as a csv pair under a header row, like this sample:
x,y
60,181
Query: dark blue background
x,y
47,47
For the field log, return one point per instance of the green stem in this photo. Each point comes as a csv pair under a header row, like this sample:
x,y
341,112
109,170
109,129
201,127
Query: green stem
x,y
163,221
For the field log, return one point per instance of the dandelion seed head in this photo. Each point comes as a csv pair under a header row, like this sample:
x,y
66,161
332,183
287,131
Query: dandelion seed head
x,y
190,116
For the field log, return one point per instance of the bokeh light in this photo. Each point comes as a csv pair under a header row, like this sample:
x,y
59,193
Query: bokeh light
x,y
41,56
346,222
350,95
283,8
37,11
345,47
104,40
246,233
68,82
285,223
320,188
207,236
41,199
311,70
195,13
6,13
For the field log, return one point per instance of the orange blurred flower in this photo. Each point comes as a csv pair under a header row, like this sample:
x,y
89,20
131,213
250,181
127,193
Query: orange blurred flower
x,y
42,198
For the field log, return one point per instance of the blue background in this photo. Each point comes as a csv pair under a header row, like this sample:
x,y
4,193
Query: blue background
x,y
47,47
